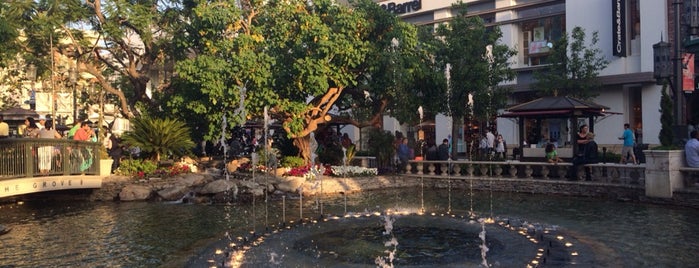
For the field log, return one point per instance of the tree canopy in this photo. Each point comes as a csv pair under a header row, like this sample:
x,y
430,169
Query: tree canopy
x,y
573,67
477,63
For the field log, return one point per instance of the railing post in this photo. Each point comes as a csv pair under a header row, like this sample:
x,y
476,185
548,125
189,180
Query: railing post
x,y
29,158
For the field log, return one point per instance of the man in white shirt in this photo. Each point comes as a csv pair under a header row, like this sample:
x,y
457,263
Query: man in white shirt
x,y
491,140
42,122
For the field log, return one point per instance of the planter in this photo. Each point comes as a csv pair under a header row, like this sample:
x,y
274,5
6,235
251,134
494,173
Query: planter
x,y
662,172
106,166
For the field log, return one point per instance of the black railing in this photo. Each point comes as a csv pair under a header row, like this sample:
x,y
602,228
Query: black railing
x,y
26,157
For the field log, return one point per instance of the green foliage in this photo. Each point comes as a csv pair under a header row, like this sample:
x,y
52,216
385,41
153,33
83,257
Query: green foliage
x,y
162,137
350,153
134,167
278,59
381,145
330,154
475,54
666,134
293,161
267,157
573,67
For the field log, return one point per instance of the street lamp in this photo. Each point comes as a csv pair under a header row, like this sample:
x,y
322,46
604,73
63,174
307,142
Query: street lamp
x,y
662,61
73,76
31,76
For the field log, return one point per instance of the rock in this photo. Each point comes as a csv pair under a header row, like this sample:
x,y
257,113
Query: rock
x,y
173,193
219,186
193,179
290,183
233,165
248,184
134,193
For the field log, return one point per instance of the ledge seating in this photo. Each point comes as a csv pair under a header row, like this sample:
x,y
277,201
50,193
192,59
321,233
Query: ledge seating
x,y
459,169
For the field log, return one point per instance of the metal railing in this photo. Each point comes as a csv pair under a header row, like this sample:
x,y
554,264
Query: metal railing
x,y
601,172
27,157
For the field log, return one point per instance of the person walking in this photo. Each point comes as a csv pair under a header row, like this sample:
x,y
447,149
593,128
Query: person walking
x,y
627,148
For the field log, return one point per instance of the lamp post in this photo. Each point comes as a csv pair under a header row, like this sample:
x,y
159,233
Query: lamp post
x,y
666,71
31,76
73,82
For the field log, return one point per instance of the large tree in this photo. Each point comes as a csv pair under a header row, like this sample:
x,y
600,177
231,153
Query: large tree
x,y
397,76
573,67
278,54
478,64
109,41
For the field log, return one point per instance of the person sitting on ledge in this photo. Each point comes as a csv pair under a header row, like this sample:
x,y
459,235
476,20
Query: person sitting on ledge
x,y
691,150
589,156
552,154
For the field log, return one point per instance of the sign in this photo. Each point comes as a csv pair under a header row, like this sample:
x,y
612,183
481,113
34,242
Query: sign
x,y
688,72
538,47
619,28
403,8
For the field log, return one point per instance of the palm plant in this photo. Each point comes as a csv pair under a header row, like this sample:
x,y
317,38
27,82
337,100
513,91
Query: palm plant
x,y
159,136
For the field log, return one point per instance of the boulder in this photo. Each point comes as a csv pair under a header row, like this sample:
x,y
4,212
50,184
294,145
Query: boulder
x,y
135,193
173,193
219,186
193,179
290,183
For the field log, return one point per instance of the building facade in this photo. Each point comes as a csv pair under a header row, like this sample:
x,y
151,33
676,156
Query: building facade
x,y
627,31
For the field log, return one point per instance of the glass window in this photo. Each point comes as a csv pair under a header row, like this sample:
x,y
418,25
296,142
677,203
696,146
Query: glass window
x,y
537,37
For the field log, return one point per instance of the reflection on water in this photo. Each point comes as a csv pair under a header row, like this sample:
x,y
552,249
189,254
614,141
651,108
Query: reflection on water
x,y
142,234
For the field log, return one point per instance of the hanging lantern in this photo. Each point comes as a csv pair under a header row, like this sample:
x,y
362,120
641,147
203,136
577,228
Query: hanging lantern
x,y
691,16
661,61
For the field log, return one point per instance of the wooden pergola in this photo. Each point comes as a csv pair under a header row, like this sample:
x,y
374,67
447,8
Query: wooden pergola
x,y
560,107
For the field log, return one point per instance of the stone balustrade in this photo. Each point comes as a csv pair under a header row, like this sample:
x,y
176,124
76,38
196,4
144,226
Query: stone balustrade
x,y
459,169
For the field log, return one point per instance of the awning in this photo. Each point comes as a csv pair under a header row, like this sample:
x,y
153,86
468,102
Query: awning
x,y
531,113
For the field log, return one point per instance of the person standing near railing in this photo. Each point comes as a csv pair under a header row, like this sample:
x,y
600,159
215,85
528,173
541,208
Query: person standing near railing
x,y
30,129
46,152
4,128
84,133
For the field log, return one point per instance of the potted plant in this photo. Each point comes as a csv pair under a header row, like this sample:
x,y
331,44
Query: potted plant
x,y
105,162
663,162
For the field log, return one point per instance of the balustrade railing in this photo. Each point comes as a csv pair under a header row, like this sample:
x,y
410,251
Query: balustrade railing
x,y
601,172
26,157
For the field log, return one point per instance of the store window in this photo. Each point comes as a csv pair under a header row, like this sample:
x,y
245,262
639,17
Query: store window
x,y
540,28
538,36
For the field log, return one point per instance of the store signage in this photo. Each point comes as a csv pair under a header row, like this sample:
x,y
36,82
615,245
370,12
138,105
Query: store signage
x,y
688,72
403,8
619,28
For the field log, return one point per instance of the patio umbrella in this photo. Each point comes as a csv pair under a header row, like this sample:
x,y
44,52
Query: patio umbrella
x,y
18,114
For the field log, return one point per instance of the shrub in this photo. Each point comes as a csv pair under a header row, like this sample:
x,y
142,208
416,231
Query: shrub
x,y
137,167
292,161
162,137
381,144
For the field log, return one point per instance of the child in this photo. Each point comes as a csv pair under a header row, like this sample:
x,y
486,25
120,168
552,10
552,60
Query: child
x,y
551,154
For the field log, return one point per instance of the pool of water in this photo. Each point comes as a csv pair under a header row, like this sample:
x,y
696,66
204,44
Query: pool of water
x,y
142,234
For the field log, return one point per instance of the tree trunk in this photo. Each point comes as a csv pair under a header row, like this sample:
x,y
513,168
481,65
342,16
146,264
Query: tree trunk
x,y
304,146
